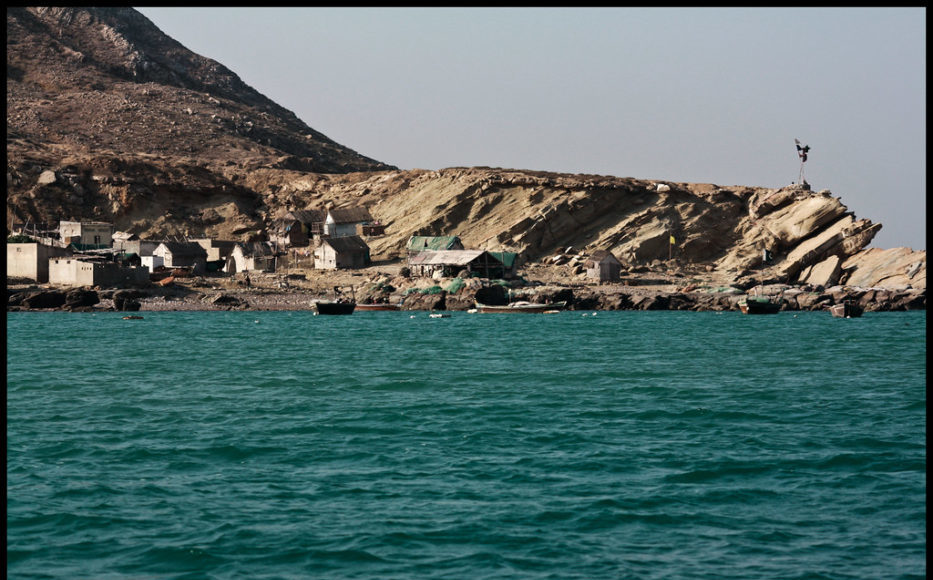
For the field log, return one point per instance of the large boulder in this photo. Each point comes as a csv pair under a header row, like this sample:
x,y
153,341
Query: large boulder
x,y
825,273
125,300
81,298
800,220
44,299
892,268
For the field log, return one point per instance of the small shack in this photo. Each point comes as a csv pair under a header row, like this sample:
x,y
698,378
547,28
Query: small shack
x,y
341,252
216,249
344,221
255,256
182,255
297,227
510,263
86,235
94,271
449,263
603,266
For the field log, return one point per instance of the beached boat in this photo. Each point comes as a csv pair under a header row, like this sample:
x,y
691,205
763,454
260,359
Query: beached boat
x,y
523,306
759,305
846,309
336,307
339,305
362,306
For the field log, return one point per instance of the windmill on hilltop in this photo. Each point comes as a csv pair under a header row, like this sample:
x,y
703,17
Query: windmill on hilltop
x,y
802,154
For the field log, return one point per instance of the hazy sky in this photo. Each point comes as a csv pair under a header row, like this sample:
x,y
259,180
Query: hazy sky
x,y
708,95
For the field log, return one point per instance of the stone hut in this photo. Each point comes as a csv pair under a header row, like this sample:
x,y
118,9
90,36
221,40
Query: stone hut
x,y
603,266
341,252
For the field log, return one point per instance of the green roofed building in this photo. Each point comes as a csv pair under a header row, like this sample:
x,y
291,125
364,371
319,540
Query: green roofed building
x,y
433,243
509,262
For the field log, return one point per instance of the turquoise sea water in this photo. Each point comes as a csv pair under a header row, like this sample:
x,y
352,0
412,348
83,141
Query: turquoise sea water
x,y
621,445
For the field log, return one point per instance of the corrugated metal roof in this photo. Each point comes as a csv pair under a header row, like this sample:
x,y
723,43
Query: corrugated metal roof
x,y
346,244
448,257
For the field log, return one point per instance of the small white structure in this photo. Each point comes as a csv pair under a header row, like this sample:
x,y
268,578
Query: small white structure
x,y
87,235
31,260
343,222
152,262
256,256
183,255
72,271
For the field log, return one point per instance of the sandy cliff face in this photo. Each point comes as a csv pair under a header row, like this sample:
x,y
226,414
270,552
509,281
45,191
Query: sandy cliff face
x,y
109,119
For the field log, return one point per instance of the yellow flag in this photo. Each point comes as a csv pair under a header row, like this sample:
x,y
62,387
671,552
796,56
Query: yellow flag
x,y
673,241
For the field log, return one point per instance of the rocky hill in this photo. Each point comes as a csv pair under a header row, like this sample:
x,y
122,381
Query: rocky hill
x,y
109,119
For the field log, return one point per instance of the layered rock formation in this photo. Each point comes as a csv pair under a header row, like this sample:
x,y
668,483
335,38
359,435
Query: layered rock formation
x,y
109,119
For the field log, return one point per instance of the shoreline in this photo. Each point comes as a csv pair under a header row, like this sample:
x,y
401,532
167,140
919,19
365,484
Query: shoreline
x,y
605,297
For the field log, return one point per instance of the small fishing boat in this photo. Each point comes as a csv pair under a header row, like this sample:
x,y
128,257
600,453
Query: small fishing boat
x,y
846,309
759,305
376,306
523,306
439,315
132,318
335,307
339,305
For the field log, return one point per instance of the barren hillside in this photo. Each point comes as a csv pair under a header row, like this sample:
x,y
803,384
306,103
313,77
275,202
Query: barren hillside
x,y
109,119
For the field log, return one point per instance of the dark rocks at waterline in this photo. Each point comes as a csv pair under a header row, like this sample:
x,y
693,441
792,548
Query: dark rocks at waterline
x,y
81,300
229,302
43,299
796,299
126,300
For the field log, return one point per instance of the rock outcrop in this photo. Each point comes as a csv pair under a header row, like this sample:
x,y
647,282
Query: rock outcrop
x,y
109,119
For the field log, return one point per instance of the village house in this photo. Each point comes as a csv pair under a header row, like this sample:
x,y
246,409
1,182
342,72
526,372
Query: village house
x,y
344,221
603,266
341,252
131,244
87,271
217,252
434,243
86,235
449,263
31,260
251,257
182,255
297,228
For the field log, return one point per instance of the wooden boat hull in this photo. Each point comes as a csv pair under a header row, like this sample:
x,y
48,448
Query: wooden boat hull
x,y
759,306
334,307
525,308
846,310
370,307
